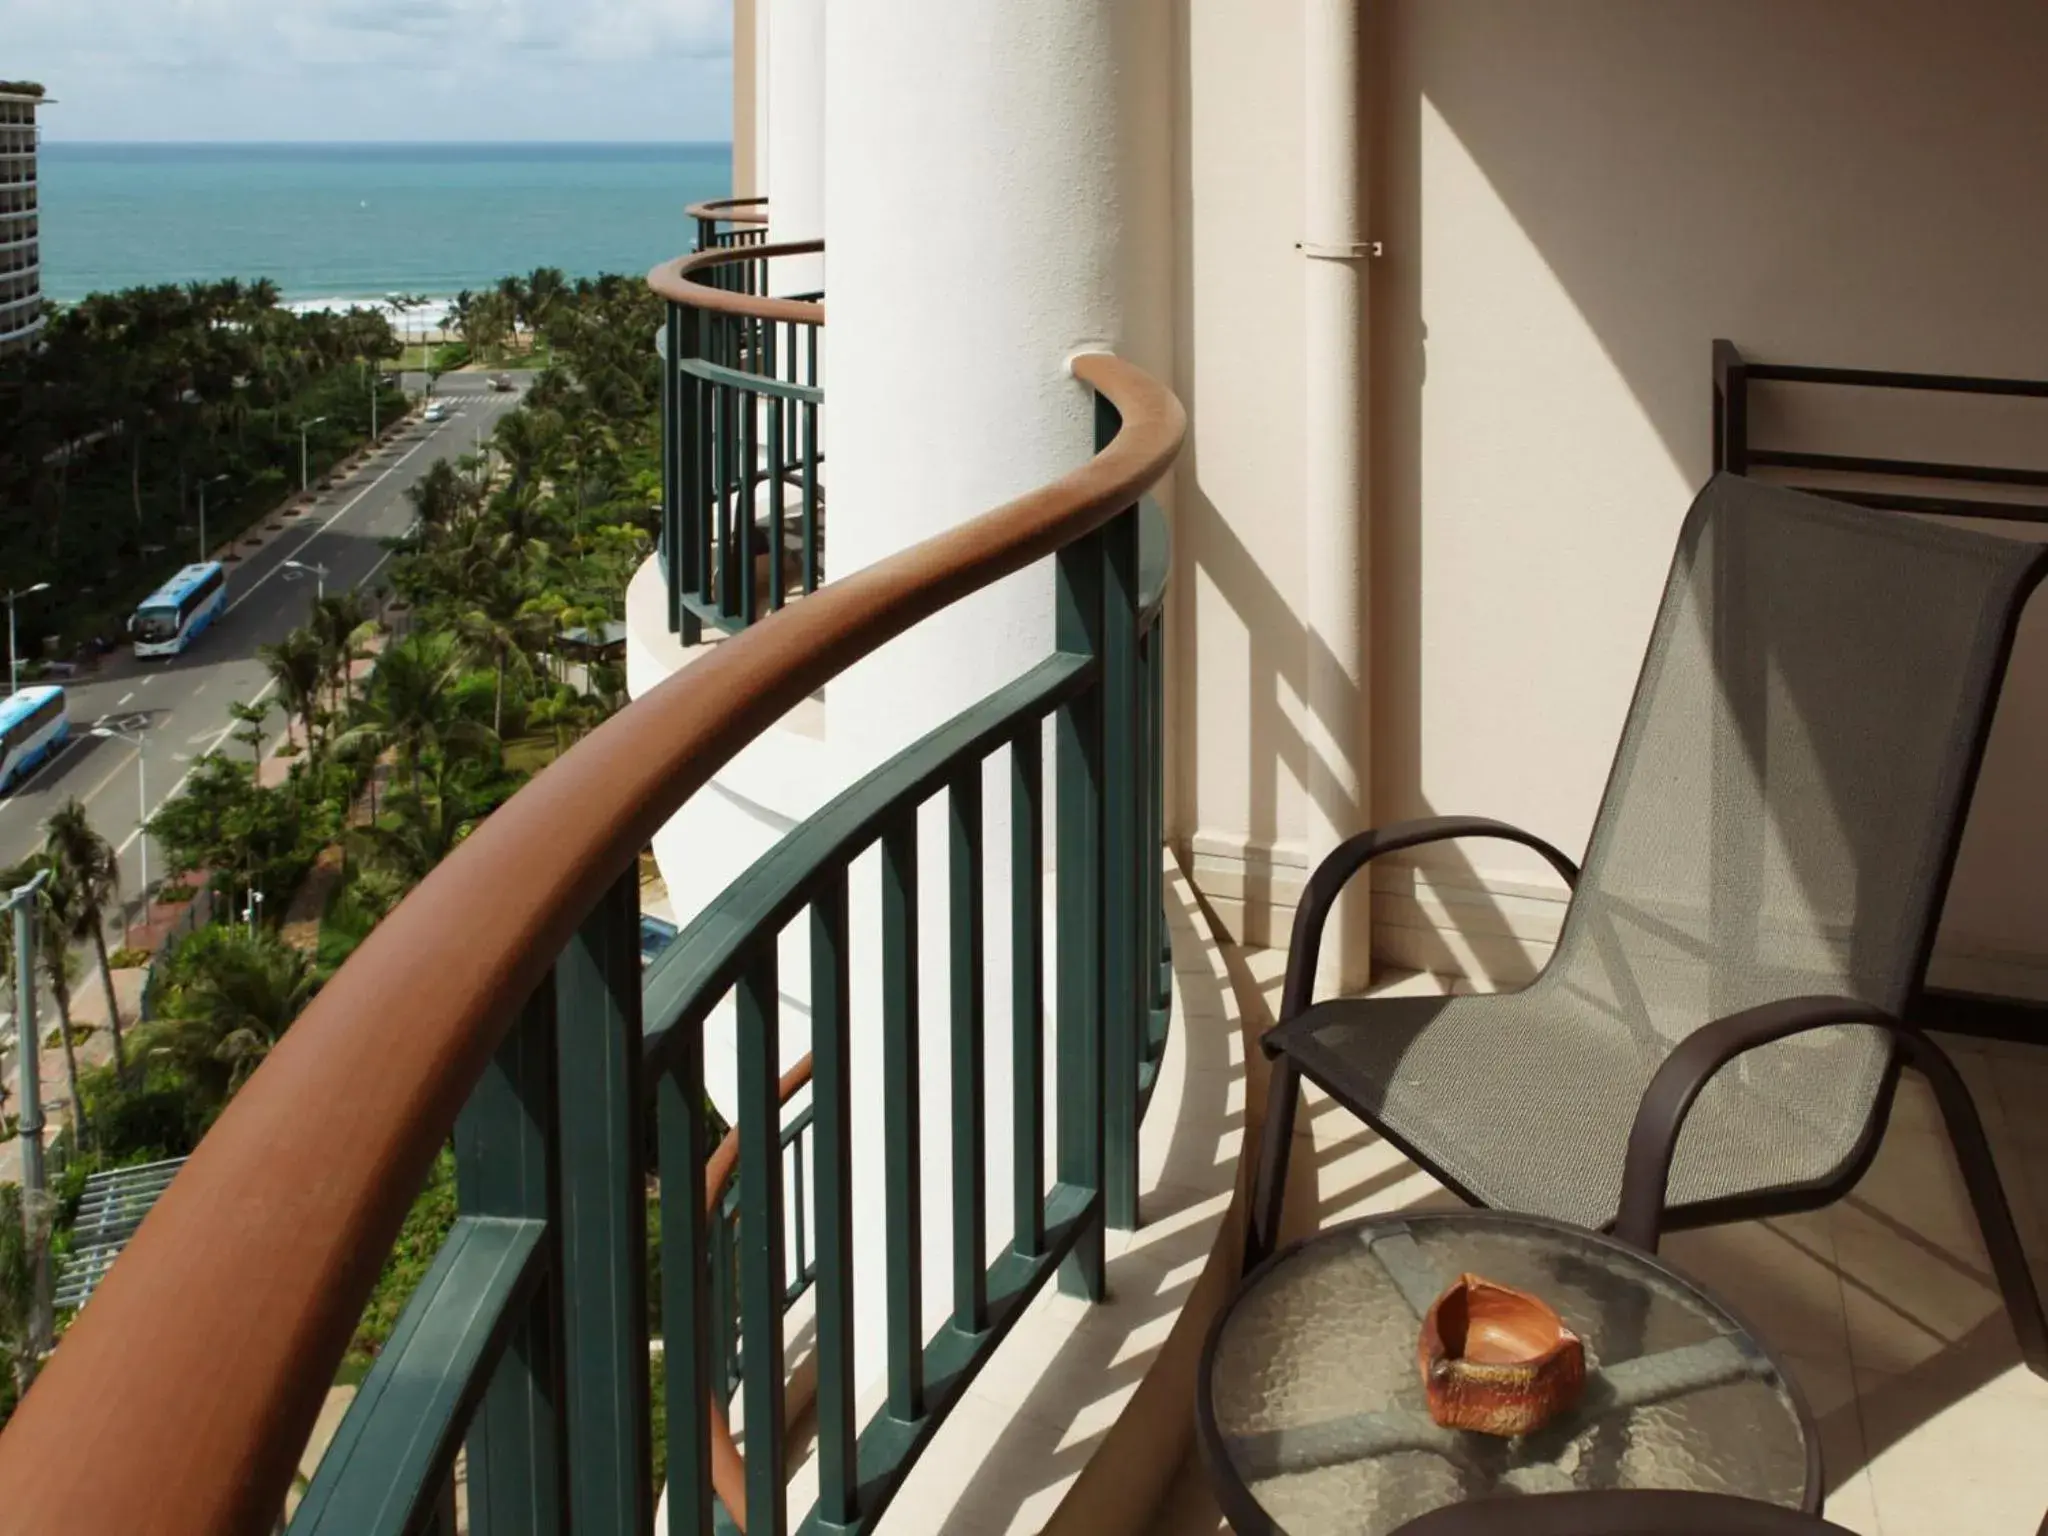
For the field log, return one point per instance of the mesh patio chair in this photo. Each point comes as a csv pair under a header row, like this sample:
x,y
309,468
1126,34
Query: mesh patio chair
x,y
1719,1031
1631,1512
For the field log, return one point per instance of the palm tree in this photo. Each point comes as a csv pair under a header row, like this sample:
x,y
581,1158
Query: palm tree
x,y
86,865
228,997
546,291
512,296
251,718
528,440
421,826
337,625
298,666
411,707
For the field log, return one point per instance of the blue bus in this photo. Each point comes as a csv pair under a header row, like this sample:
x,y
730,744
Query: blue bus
x,y
171,617
33,724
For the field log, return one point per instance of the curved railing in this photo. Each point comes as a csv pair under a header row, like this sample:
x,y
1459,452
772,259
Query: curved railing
x,y
501,1004
729,221
743,501
881,794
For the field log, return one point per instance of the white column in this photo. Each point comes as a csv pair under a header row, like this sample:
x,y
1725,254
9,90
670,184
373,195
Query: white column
x,y
999,186
1334,457
796,134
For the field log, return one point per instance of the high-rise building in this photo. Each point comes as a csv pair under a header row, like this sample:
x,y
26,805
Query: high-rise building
x,y
21,286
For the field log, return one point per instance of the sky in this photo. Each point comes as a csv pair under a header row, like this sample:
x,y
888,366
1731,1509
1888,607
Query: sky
x,y
643,70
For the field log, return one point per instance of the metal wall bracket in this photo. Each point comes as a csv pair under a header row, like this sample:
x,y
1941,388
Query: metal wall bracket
x,y
1351,250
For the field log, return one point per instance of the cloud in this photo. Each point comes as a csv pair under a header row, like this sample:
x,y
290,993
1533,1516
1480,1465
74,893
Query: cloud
x,y
225,68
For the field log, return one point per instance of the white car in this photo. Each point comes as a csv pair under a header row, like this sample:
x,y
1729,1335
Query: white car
x,y
438,410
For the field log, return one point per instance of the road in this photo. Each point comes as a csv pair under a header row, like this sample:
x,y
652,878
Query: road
x,y
177,706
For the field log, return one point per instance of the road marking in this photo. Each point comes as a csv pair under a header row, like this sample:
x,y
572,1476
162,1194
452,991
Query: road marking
x,y
94,793
349,506
125,698
149,679
185,778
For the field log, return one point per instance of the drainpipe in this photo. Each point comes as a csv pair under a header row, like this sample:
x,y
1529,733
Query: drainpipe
x,y
1335,252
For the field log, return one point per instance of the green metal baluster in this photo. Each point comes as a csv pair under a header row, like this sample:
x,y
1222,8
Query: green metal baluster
x,y
966,967
666,544
750,475
832,1098
1125,966
687,546
1159,953
604,1216
1081,925
723,452
504,1166
688,1286
1027,988
704,398
760,1127
901,1170
812,573
776,470
790,371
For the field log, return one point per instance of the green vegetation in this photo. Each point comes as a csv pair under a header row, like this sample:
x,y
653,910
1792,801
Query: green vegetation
x,y
141,403
511,324
426,1227
538,535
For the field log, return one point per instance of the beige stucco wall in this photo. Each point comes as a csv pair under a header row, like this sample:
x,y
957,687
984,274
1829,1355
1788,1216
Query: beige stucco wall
x,y
746,85
1575,198
1238,647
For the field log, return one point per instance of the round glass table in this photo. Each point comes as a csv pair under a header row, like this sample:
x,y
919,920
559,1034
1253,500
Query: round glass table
x,y
1310,1407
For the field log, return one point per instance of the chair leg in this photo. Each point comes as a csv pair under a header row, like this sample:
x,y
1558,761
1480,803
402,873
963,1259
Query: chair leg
x,y
1269,1179
1987,1195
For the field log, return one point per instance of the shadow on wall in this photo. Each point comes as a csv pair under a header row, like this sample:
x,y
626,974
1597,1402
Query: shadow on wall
x,y
1576,198
1241,651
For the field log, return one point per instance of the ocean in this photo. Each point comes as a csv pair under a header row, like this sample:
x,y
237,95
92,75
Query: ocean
x,y
333,223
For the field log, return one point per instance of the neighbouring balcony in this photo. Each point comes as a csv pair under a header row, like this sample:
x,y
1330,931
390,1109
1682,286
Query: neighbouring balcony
x,y
570,1086
743,510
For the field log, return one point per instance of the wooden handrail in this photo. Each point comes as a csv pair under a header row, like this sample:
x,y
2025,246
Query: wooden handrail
x,y
676,280
181,1399
732,210
728,1466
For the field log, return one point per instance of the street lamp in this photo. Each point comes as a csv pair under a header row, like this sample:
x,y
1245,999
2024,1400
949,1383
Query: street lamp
x,y
115,733
13,661
28,1053
376,377
317,572
305,427
209,480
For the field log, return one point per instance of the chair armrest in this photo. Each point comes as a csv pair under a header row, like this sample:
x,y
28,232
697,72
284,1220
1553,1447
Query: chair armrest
x,y
1352,855
1660,1116
1618,1512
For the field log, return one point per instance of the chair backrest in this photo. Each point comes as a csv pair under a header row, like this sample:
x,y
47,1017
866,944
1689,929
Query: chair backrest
x,y
1787,799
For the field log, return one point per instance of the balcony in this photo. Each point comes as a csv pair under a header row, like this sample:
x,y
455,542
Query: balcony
x,y
743,512
525,1354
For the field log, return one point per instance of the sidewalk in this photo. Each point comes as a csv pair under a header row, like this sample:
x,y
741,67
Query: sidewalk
x,y
88,1009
